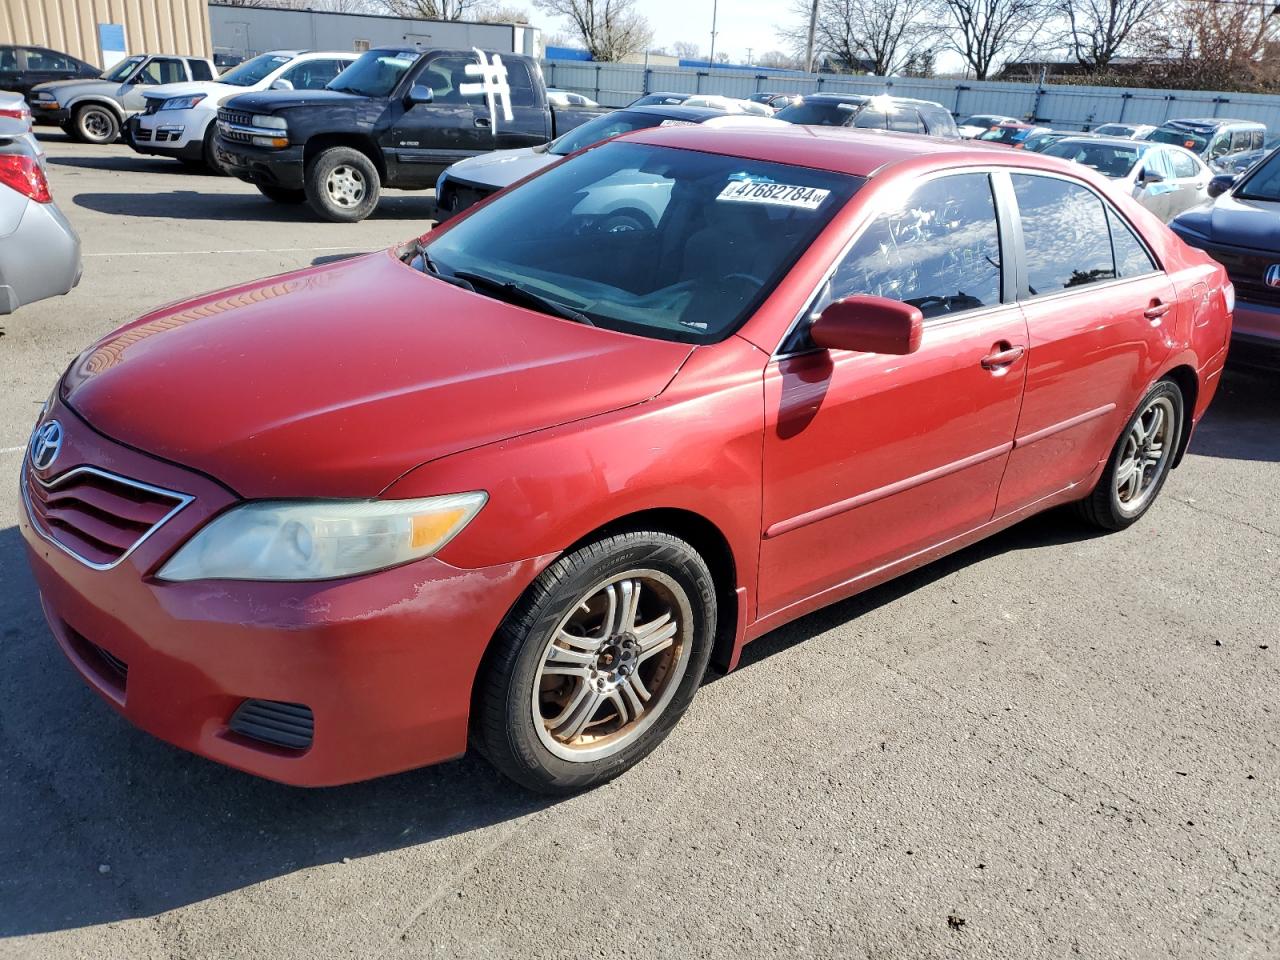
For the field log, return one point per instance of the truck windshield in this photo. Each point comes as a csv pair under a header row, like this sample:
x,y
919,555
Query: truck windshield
x,y
375,74
1263,183
1183,138
121,70
666,243
253,71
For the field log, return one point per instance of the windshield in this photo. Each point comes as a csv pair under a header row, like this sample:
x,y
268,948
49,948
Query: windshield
x,y
819,114
1004,134
980,120
375,74
122,69
254,71
674,244
1263,183
602,128
1109,159
1114,130
1183,138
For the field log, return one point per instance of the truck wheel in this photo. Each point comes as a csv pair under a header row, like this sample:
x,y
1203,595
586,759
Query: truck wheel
x,y
342,185
281,194
94,123
210,154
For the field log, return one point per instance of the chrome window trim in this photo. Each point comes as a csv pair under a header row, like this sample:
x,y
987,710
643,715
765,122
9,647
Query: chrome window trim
x,y
183,500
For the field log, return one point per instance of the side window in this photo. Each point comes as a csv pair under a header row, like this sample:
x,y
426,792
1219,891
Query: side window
x,y
8,58
46,60
1240,140
312,74
200,70
161,70
939,250
1158,162
445,76
1065,232
1221,144
1256,140
522,94
905,120
1184,168
870,119
1132,259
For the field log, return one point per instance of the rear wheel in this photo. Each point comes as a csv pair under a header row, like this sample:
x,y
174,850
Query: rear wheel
x,y
1140,461
94,123
342,185
281,194
597,663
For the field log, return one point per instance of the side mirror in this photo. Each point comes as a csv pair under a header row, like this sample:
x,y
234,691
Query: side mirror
x,y
1221,184
869,325
1151,176
420,93
281,84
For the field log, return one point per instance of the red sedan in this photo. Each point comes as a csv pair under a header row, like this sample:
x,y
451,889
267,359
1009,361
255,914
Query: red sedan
x,y
517,484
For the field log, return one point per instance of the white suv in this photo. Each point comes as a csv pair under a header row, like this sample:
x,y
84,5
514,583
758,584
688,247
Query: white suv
x,y
178,120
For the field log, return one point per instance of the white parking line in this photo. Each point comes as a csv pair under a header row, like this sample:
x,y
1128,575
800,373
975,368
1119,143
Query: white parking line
x,y
4,450
199,253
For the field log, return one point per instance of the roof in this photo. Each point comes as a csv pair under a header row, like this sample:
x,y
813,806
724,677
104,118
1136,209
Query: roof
x,y
678,111
846,150
1141,145
1209,122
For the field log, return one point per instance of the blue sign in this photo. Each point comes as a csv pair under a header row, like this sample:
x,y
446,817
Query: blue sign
x,y
111,42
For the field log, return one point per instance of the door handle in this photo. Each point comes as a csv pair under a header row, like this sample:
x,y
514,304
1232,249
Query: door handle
x,y
1157,310
483,122
1002,355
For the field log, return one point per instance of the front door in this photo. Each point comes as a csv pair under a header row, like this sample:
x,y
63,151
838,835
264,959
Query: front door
x,y
455,125
1099,324
156,71
868,458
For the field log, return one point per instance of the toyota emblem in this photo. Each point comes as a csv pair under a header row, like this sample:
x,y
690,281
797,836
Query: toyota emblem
x,y
1273,275
46,444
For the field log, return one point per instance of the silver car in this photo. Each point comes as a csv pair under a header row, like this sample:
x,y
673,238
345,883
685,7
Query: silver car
x,y
15,121
1165,179
39,250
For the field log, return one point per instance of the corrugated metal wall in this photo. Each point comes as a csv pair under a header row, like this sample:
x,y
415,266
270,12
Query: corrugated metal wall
x,y
71,26
616,84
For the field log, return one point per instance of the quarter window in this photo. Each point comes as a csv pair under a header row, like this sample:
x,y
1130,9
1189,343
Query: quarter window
x,y
1065,232
870,119
1184,167
1132,259
938,250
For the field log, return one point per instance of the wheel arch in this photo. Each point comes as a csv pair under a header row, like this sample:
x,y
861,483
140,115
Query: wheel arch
x,y
1184,376
323,141
85,100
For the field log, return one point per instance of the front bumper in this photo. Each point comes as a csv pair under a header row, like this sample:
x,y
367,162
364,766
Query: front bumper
x,y
40,259
48,115
274,167
164,136
385,662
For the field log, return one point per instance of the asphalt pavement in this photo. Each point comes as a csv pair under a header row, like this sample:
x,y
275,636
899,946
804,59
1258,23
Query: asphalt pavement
x,y
1051,744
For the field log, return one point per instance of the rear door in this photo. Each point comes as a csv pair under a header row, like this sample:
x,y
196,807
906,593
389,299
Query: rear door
x,y
1099,324
44,65
530,122
1191,179
156,71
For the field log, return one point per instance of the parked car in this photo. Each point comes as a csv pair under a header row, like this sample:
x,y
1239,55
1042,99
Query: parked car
x,y
1241,230
978,123
775,101
567,98
1238,163
1010,134
15,123
395,117
871,113
521,480
93,111
178,120
660,100
1037,142
729,105
1131,131
1165,179
39,250
21,68
469,181
1212,140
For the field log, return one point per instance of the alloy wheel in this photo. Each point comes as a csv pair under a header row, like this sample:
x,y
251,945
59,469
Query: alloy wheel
x,y
345,185
1145,456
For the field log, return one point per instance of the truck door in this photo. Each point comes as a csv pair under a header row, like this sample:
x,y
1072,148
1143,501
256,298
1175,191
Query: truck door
x,y
427,137
530,122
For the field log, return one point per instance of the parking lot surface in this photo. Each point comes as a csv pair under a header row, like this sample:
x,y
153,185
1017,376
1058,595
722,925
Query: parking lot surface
x,y
1053,743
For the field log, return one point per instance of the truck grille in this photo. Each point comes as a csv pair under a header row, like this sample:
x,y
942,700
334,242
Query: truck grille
x,y
97,517
1247,270
290,725
238,118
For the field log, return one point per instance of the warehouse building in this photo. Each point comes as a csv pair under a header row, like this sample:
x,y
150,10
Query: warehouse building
x,y
101,32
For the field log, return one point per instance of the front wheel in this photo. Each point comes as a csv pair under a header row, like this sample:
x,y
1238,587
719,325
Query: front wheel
x,y
597,663
342,185
1140,461
94,123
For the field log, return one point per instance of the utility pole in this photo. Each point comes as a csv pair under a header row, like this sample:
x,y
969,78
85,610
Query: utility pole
x,y
711,58
808,47
749,56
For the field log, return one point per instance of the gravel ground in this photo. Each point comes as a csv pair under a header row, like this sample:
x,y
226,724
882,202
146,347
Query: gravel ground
x,y
1051,743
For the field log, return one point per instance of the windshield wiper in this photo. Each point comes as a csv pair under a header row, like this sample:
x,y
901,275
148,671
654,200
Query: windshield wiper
x,y
515,293
429,266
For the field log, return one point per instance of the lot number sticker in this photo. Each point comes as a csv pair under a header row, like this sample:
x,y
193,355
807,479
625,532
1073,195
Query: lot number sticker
x,y
776,194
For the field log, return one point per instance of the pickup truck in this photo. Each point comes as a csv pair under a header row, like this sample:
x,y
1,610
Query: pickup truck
x,y
396,118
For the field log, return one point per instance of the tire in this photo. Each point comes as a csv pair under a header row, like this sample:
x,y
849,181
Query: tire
x,y
626,220
281,194
560,715
342,185
94,123
209,154
1126,491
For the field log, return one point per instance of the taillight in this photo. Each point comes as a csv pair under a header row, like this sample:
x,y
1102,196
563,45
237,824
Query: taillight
x,y
15,113
23,174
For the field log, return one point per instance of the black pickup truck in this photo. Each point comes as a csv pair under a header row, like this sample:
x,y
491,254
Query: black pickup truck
x,y
395,117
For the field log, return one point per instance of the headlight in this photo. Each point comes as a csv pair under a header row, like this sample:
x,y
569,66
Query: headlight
x,y
268,122
1229,295
44,95
182,103
320,539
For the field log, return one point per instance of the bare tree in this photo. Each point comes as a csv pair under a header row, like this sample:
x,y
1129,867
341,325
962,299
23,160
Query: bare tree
x,y
499,13
429,9
1202,44
880,35
988,33
686,50
609,29
778,59
1101,28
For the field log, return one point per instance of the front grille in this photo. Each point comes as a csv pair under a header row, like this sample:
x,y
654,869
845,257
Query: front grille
x,y
290,725
235,117
1247,270
97,517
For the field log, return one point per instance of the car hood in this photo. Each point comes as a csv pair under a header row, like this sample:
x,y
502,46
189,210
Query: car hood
x,y
502,167
269,101
65,89
335,381
1234,222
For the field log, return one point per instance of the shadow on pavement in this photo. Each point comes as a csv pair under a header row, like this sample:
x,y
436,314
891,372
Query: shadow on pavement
x,y
134,163
250,208
1243,422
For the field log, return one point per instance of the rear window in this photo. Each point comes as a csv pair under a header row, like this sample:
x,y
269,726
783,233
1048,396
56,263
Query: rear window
x,y
1183,138
819,114
200,70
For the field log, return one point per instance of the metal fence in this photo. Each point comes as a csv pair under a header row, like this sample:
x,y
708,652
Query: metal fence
x,y
617,84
